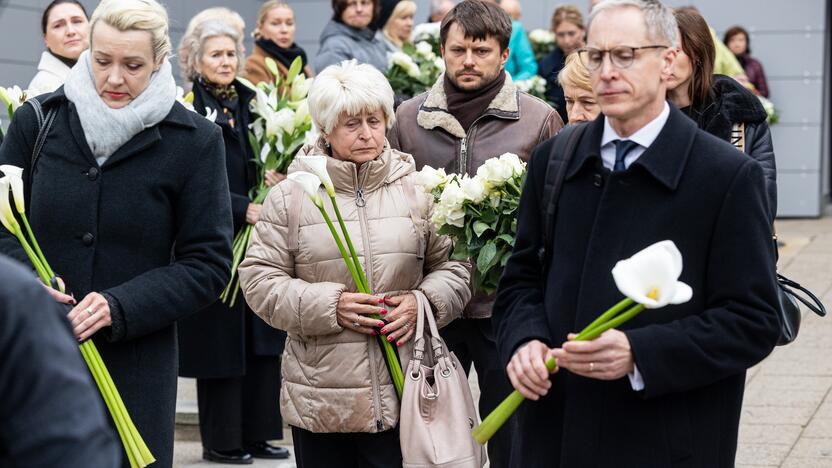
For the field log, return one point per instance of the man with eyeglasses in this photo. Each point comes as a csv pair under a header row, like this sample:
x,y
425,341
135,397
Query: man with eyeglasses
x,y
664,390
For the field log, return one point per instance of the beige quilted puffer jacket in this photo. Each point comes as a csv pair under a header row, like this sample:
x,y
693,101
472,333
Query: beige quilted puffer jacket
x,y
334,379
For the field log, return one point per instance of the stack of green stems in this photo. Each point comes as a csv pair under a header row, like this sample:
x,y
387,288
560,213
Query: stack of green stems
x,y
138,454
612,318
354,266
239,249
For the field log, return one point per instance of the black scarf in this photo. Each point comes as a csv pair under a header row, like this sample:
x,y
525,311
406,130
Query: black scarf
x,y
284,56
226,97
467,106
66,61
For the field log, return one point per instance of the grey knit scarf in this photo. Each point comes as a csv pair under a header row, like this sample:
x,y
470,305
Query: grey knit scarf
x,y
106,129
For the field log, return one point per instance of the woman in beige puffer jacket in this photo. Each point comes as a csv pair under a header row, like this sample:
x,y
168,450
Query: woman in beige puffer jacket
x,y
335,379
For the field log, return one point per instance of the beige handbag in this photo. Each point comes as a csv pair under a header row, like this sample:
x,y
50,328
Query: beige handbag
x,y
437,410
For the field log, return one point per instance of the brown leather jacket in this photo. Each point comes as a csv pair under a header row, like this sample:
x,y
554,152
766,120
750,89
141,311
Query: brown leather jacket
x,y
255,69
515,122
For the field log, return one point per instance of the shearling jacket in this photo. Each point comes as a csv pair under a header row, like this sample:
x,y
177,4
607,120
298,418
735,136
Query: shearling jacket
x,y
514,122
335,379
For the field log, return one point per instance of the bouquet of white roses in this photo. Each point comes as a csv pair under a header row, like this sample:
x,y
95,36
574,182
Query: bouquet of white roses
x,y
543,42
413,70
282,126
428,32
479,213
771,111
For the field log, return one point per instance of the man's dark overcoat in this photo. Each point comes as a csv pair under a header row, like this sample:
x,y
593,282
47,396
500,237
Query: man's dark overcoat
x,y
708,198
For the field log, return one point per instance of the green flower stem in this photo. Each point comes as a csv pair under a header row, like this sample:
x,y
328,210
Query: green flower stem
x,y
33,257
347,260
588,335
606,316
507,407
36,247
99,381
396,374
143,455
347,239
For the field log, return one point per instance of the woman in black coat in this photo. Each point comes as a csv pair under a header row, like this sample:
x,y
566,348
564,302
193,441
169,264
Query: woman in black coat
x,y
231,352
718,104
129,202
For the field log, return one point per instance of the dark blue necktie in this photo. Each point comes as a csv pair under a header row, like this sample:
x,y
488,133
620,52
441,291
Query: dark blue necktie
x,y
622,149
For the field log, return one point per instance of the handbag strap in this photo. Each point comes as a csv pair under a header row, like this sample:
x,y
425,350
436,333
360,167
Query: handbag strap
x,y
425,314
814,304
44,125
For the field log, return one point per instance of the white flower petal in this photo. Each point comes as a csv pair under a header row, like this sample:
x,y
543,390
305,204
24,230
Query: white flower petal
x,y
317,164
310,184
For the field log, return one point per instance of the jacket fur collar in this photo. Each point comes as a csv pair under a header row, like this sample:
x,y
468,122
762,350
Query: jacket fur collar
x,y
434,113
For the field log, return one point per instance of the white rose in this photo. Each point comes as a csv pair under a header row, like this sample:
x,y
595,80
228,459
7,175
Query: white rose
x,y
541,36
430,178
440,64
452,196
456,218
438,217
523,85
495,172
426,31
425,50
473,188
406,63
517,166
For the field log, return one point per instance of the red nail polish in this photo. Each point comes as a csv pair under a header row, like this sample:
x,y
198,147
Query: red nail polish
x,y
390,339
380,323
383,331
398,344
383,311
372,332
381,300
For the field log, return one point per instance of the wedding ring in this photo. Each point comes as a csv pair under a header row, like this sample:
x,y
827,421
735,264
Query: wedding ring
x,y
592,367
406,325
89,311
356,325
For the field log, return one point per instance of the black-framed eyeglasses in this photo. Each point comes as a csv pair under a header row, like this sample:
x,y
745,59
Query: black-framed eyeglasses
x,y
620,56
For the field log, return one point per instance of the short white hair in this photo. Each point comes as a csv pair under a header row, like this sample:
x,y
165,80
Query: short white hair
x,y
349,88
659,20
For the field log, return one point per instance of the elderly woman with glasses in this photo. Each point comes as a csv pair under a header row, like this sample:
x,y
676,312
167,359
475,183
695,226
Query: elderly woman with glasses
x,y
337,393
129,200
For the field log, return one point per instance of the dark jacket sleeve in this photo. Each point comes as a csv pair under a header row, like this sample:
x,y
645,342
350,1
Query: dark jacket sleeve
x,y
202,251
239,207
17,150
739,326
761,148
50,413
518,313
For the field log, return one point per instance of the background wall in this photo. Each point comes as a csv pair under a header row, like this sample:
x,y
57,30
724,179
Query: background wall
x,y
791,39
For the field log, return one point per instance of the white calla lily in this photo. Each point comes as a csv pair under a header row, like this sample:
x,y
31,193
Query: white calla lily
x,y
264,152
651,276
317,164
15,175
310,184
300,88
302,113
6,215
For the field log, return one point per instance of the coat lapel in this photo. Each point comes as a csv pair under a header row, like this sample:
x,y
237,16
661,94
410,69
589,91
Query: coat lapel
x,y
78,134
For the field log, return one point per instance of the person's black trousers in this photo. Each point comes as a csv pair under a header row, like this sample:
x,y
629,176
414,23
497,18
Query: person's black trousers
x,y
238,411
472,340
347,449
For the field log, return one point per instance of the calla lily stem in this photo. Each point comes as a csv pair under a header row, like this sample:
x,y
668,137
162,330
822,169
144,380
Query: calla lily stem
x,y
36,247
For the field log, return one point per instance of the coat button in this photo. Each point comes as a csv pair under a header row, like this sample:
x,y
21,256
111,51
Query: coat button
x,y
598,180
87,239
92,174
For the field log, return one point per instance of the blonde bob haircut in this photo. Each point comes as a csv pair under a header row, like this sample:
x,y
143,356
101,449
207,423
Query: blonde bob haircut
x,y
574,74
349,89
136,15
264,11
403,9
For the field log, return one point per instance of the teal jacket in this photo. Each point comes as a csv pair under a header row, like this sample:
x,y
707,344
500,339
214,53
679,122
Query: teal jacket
x,y
521,64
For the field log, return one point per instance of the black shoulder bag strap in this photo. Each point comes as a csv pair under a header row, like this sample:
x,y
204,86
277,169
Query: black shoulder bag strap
x,y
44,125
559,160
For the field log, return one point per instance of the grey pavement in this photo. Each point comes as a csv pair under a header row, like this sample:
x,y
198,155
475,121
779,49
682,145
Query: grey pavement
x,y
787,412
